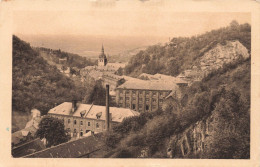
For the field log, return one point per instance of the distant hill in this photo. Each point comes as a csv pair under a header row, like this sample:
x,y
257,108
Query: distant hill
x,y
182,53
125,56
36,84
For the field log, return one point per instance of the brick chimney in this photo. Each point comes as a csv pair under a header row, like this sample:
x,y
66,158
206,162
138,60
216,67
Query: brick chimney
x,y
74,106
107,108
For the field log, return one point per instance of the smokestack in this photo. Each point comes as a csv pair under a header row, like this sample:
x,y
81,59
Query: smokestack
x,y
107,107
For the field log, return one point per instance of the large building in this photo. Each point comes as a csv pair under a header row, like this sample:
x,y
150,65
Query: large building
x,y
140,95
81,119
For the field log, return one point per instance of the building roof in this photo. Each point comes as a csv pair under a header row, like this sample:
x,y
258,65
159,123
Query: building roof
x,y
71,149
28,148
90,111
147,85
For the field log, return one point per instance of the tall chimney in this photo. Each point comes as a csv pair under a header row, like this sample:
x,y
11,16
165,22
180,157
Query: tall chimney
x,y
107,107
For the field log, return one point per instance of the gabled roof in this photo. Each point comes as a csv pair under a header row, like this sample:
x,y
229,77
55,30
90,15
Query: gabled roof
x,y
71,149
28,148
90,111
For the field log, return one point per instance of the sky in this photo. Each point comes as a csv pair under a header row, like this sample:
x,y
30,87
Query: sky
x,y
120,26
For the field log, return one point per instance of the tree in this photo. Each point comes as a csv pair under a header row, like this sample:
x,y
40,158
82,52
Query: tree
x,y
52,129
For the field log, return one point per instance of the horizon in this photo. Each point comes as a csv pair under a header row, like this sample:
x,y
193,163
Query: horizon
x,y
83,32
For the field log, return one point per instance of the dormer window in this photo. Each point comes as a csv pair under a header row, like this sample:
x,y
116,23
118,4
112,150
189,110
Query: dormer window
x,y
98,115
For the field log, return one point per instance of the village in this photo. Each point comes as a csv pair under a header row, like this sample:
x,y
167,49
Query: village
x,y
132,95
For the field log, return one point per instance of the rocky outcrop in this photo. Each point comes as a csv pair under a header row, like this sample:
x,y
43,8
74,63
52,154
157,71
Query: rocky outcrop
x,y
214,59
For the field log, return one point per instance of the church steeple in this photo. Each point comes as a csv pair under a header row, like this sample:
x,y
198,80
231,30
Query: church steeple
x,y
102,57
102,50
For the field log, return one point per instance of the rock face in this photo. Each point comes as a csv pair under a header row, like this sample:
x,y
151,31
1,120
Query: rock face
x,y
214,59
196,139
221,54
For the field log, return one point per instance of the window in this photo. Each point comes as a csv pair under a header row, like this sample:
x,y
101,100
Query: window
x,y
127,105
121,98
120,105
140,92
154,106
154,100
75,122
81,122
161,93
161,101
97,125
133,92
147,92
121,91
81,132
68,121
127,92
127,98
154,93
146,107
68,130
133,106
140,99
147,100
140,106
88,123
134,98
75,130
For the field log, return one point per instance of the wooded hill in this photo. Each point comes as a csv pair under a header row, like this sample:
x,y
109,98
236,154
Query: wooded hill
x,y
180,54
36,84
224,95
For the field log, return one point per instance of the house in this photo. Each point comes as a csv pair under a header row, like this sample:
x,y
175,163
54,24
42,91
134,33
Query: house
x,y
81,119
28,133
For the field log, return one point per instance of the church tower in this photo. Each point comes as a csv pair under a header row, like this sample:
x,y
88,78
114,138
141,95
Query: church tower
x,y
102,60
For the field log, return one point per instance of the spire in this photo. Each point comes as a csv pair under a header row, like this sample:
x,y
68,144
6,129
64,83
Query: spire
x,y
102,48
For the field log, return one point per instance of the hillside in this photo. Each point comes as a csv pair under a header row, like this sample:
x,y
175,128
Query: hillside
x,y
61,59
222,99
183,53
36,84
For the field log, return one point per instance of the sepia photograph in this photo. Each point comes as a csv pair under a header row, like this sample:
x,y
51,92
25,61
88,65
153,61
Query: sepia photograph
x,y
121,80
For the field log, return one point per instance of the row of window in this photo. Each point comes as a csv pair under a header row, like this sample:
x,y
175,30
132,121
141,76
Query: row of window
x,y
140,106
75,122
75,130
154,93
141,99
